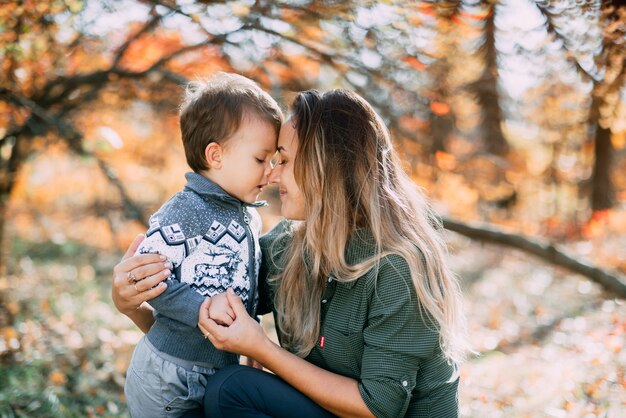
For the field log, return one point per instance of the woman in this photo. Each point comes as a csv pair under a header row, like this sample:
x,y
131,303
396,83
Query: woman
x,y
369,317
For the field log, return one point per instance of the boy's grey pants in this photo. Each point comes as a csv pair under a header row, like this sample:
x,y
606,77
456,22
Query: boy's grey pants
x,y
160,386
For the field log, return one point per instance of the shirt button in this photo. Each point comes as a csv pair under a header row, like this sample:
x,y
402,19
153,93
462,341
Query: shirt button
x,y
330,279
405,383
168,408
324,301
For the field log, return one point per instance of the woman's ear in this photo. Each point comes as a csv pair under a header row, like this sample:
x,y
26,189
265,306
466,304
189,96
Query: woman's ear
x,y
213,155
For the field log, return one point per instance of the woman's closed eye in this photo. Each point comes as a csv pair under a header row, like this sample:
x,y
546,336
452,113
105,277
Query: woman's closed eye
x,y
276,162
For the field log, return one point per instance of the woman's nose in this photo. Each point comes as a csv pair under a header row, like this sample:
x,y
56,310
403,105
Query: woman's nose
x,y
274,176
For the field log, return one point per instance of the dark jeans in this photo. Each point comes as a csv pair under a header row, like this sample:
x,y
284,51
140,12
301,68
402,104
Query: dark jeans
x,y
245,392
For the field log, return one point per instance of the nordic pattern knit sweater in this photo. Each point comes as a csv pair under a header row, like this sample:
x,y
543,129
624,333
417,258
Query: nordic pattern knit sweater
x,y
212,241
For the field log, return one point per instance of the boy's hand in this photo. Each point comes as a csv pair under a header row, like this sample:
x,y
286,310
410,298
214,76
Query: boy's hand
x,y
220,310
243,336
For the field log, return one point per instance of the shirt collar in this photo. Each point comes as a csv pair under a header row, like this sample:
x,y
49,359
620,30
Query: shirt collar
x,y
347,285
360,247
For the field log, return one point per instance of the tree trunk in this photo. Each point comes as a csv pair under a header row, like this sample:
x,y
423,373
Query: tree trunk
x,y
602,190
440,129
4,200
6,317
487,93
9,170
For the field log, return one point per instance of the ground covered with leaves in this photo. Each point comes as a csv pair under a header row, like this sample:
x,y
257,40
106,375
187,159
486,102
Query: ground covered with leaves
x,y
550,343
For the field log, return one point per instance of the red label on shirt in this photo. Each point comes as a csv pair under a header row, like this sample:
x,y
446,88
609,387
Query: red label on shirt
x,y
322,339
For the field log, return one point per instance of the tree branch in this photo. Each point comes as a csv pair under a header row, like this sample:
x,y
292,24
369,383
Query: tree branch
x,y
74,138
173,77
552,29
100,77
148,26
545,251
165,59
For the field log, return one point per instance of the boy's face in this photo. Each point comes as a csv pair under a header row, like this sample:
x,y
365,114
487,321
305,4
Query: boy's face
x,y
246,159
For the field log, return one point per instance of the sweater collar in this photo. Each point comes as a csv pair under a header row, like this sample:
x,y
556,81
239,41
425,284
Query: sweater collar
x,y
208,188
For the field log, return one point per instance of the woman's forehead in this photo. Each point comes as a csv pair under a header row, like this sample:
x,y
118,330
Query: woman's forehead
x,y
287,140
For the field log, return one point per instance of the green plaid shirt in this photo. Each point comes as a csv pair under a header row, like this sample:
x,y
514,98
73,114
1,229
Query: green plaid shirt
x,y
372,331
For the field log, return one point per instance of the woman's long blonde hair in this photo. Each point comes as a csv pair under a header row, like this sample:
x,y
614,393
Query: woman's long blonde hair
x,y
351,177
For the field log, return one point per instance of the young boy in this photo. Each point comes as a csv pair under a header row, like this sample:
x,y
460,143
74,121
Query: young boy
x,y
209,232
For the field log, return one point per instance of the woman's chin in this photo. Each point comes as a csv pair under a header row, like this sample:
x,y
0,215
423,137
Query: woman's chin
x,y
292,217
289,212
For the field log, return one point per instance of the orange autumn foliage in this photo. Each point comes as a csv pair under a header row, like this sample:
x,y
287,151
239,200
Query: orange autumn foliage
x,y
439,108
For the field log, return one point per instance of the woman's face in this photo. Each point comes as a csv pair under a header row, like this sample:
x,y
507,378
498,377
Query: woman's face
x,y
291,197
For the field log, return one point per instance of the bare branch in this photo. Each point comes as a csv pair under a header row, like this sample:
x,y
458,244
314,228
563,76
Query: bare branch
x,y
164,60
147,27
546,251
552,29
133,211
173,77
334,59
171,6
74,138
97,79
177,10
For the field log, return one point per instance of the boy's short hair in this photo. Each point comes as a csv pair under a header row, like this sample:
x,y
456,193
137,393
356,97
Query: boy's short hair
x,y
212,110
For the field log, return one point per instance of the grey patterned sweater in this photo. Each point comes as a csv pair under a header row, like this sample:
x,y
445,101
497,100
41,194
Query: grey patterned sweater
x,y
212,240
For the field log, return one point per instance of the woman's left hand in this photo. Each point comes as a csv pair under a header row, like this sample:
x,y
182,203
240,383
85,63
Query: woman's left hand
x,y
138,278
243,336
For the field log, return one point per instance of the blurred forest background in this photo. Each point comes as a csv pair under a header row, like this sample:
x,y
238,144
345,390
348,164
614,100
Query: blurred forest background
x,y
511,114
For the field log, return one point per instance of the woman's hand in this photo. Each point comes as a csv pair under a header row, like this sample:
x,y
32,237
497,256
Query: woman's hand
x,y
138,278
243,336
250,362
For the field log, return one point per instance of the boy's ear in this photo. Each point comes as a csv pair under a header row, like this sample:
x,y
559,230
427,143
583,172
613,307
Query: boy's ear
x,y
213,155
